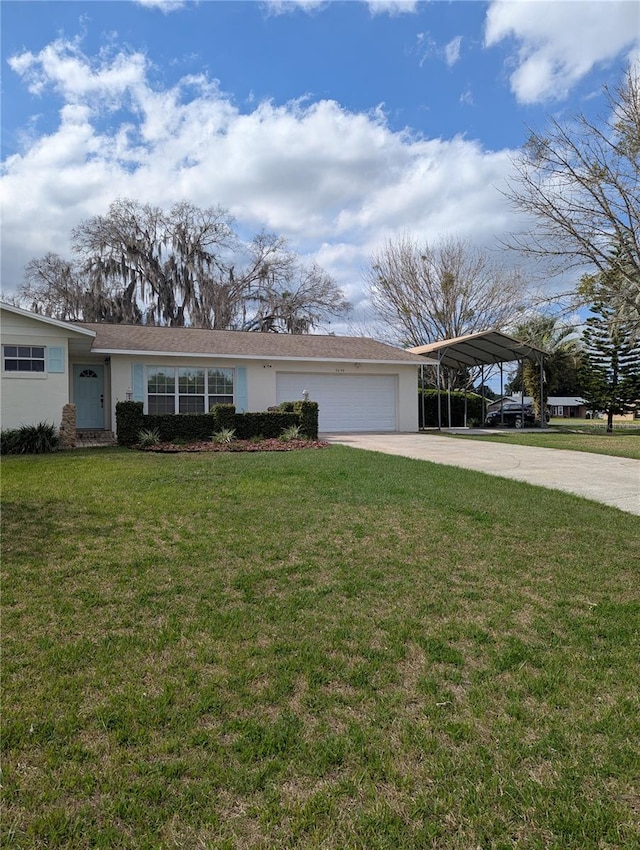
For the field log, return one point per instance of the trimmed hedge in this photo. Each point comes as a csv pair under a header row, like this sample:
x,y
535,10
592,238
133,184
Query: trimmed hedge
x,y
268,424
224,416
308,413
186,427
474,408
129,422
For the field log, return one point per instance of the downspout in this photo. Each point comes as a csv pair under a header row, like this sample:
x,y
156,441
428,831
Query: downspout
x,y
484,412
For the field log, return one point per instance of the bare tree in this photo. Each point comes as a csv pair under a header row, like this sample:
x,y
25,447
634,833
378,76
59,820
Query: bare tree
x,y
580,182
433,292
139,263
55,287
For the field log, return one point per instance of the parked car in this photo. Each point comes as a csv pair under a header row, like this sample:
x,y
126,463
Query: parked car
x,y
511,414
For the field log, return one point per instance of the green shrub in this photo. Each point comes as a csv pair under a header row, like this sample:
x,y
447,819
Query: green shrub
x,y
31,439
9,441
181,427
474,408
270,424
129,422
224,416
198,427
308,413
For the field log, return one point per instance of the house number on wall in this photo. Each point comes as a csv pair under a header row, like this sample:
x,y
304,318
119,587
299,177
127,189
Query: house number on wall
x,y
339,370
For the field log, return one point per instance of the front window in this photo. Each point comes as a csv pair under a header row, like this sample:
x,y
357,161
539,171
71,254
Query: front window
x,y
161,390
191,390
23,358
220,383
187,389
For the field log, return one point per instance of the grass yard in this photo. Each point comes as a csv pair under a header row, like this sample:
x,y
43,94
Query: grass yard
x,y
318,649
622,443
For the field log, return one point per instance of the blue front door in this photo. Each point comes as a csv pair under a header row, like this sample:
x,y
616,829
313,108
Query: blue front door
x,y
88,393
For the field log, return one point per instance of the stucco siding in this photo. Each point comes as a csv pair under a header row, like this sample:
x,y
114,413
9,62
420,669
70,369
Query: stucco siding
x,y
35,397
261,379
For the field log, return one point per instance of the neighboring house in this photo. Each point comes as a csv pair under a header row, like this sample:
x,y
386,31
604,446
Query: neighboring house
x,y
360,384
566,407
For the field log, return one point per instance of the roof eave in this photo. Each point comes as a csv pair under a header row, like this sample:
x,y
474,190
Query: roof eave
x,y
47,320
418,361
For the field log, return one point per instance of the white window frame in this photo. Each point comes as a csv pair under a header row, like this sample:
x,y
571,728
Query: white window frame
x,y
173,374
24,373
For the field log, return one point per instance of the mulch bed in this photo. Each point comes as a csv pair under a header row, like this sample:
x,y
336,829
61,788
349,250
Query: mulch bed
x,y
273,445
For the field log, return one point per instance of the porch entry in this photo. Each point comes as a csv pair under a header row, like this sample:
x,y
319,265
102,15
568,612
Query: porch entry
x,y
88,394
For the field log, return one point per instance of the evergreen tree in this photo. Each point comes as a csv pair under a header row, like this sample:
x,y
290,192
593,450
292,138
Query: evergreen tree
x,y
610,369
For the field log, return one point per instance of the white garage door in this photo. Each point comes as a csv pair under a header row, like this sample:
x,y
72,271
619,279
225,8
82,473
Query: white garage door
x,y
346,402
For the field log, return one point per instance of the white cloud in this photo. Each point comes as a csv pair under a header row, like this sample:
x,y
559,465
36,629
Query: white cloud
x,y
336,183
452,51
560,41
284,7
63,67
164,6
392,7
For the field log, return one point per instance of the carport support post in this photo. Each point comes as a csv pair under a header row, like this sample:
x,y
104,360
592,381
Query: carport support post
x,y
543,418
501,396
424,421
439,399
522,392
484,412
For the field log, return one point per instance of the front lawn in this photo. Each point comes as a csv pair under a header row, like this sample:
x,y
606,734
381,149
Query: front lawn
x,y
622,443
316,649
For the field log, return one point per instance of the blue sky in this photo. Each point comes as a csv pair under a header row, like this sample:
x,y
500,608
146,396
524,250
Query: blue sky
x,y
337,125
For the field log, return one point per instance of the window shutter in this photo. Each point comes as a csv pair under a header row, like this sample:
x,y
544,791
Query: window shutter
x,y
137,381
56,358
242,401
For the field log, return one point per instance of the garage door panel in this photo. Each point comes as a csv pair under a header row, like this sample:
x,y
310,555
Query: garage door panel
x,y
346,402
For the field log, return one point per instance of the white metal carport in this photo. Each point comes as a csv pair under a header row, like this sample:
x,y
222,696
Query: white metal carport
x,y
485,348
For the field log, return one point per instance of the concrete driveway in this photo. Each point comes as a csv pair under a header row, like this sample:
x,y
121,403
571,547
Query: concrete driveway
x,y
613,481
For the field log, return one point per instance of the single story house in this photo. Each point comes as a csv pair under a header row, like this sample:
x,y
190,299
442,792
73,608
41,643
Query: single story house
x,y
360,384
566,407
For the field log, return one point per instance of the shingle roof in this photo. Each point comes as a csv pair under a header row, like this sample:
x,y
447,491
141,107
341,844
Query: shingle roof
x,y
111,339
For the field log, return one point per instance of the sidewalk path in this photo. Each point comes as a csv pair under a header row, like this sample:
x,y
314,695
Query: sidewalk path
x,y
613,481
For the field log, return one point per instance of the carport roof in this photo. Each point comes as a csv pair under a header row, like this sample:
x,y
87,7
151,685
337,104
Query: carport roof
x,y
478,349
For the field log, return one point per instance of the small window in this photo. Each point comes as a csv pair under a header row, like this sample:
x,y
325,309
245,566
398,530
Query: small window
x,y
23,358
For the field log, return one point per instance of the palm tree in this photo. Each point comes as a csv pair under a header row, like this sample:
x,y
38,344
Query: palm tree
x,y
563,350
